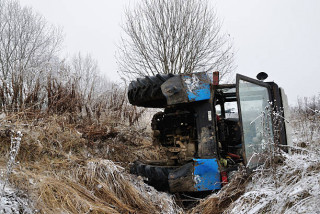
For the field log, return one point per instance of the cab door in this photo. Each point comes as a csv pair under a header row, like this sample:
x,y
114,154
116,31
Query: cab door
x,y
254,108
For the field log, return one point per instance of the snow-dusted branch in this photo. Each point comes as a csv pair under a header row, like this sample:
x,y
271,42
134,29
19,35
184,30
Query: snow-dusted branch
x,y
14,150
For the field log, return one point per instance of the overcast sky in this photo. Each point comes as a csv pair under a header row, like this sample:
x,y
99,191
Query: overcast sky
x,y
279,37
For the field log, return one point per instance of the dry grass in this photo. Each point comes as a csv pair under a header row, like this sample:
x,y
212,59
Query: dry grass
x,y
64,167
55,138
96,186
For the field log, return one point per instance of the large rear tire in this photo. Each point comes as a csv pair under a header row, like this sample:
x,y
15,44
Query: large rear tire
x,y
146,92
157,176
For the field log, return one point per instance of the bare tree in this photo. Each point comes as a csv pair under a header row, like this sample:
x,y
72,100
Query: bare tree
x,y
86,72
27,44
173,36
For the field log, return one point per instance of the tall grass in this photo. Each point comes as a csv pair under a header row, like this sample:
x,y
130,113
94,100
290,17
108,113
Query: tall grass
x,y
66,168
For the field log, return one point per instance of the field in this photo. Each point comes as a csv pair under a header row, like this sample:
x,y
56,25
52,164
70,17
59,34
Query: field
x,y
50,164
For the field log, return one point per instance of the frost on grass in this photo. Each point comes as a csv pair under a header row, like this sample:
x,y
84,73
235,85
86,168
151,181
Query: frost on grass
x,y
14,150
60,177
100,186
14,201
115,179
294,187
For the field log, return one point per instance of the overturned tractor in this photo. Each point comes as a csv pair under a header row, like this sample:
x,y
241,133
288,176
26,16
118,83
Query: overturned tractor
x,y
206,129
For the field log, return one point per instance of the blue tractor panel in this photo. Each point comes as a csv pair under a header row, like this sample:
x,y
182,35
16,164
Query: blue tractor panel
x,y
197,90
206,174
197,175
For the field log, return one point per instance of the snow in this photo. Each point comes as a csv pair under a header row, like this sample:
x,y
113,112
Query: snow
x,y
292,187
162,199
293,184
14,201
192,83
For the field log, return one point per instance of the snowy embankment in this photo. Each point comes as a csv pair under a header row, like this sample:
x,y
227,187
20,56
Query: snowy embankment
x,y
293,187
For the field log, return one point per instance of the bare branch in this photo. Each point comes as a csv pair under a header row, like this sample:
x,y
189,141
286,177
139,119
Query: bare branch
x,y
27,44
173,36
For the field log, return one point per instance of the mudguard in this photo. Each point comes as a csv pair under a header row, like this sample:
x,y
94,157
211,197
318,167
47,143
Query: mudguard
x,y
186,88
198,175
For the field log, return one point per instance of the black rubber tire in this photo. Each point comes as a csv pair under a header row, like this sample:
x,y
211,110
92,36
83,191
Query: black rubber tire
x,y
157,175
146,92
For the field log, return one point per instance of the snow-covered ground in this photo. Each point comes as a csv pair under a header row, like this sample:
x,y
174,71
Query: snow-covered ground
x,y
292,187
14,201
11,199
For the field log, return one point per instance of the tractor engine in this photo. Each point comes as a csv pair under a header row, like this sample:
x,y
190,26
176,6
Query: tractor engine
x,y
175,132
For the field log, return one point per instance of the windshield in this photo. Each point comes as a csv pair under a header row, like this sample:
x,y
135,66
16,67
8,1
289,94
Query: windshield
x,y
256,124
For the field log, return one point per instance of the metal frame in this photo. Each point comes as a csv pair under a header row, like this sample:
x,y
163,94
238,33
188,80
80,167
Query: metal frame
x,y
256,82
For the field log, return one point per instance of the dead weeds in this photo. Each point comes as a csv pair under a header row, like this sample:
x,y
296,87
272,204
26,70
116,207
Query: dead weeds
x,y
67,168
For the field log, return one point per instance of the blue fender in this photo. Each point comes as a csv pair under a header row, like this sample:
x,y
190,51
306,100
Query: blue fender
x,y
206,174
197,175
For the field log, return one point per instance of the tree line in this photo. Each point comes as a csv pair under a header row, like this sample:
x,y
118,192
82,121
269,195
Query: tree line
x,y
160,36
33,77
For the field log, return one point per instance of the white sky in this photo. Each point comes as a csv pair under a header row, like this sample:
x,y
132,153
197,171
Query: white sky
x,y
279,37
